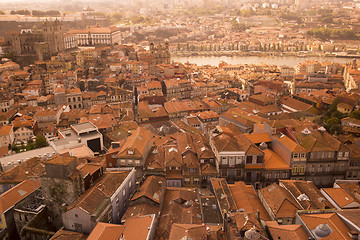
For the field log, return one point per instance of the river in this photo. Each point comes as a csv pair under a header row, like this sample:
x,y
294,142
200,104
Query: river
x,y
291,61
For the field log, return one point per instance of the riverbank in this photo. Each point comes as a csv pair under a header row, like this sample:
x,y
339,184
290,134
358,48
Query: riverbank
x,y
259,54
291,61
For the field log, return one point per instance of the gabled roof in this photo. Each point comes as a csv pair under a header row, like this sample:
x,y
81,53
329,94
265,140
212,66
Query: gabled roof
x,y
272,161
185,143
99,195
30,168
141,209
172,157
60,160
88,168
5,130
295,104
223,195
341,197
283,232
106,231
135,143
280,201
338,227
138,227
208,169
45,113
226,143
90,201
246,198
12,196
191,161
290,144
307,194
258,137
180,206
68,235
187,231
316,141
151,188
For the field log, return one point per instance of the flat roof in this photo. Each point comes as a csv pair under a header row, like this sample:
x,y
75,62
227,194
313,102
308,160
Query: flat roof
x,y
83,127
45,152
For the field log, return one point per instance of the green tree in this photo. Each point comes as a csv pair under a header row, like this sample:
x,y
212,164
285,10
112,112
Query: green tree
x,y
115,17
40,141
333,125
355,114
10,55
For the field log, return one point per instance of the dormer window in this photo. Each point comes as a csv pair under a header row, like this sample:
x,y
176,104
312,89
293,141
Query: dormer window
x,y
130,152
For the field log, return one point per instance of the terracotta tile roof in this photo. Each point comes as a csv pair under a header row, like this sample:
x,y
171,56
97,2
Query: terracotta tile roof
x,y
33,167
342,197
90,200
135,143
208,169
316,141
5,130
68,235
12,196
223,195
282,232
142,209
352,215
151,188
4,151
191,161
156,158
307,194
243,222
187,231
111,181
290,144
226,143
338,227
207,114
23,121
172,157
88,168
101,192
153,84
193,120
179,207
174,174
106,231
138,227
60,160
258,137
246,198
352,187
144,111
280,201
272,161
295,104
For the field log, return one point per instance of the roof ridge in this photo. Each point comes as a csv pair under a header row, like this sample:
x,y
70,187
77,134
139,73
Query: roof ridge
x,y
335,225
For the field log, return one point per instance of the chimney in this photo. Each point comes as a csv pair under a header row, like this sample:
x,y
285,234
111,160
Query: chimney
x,y
354,235
115,144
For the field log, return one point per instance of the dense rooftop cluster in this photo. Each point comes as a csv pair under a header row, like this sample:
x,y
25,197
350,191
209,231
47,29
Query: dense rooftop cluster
x,y
100,139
